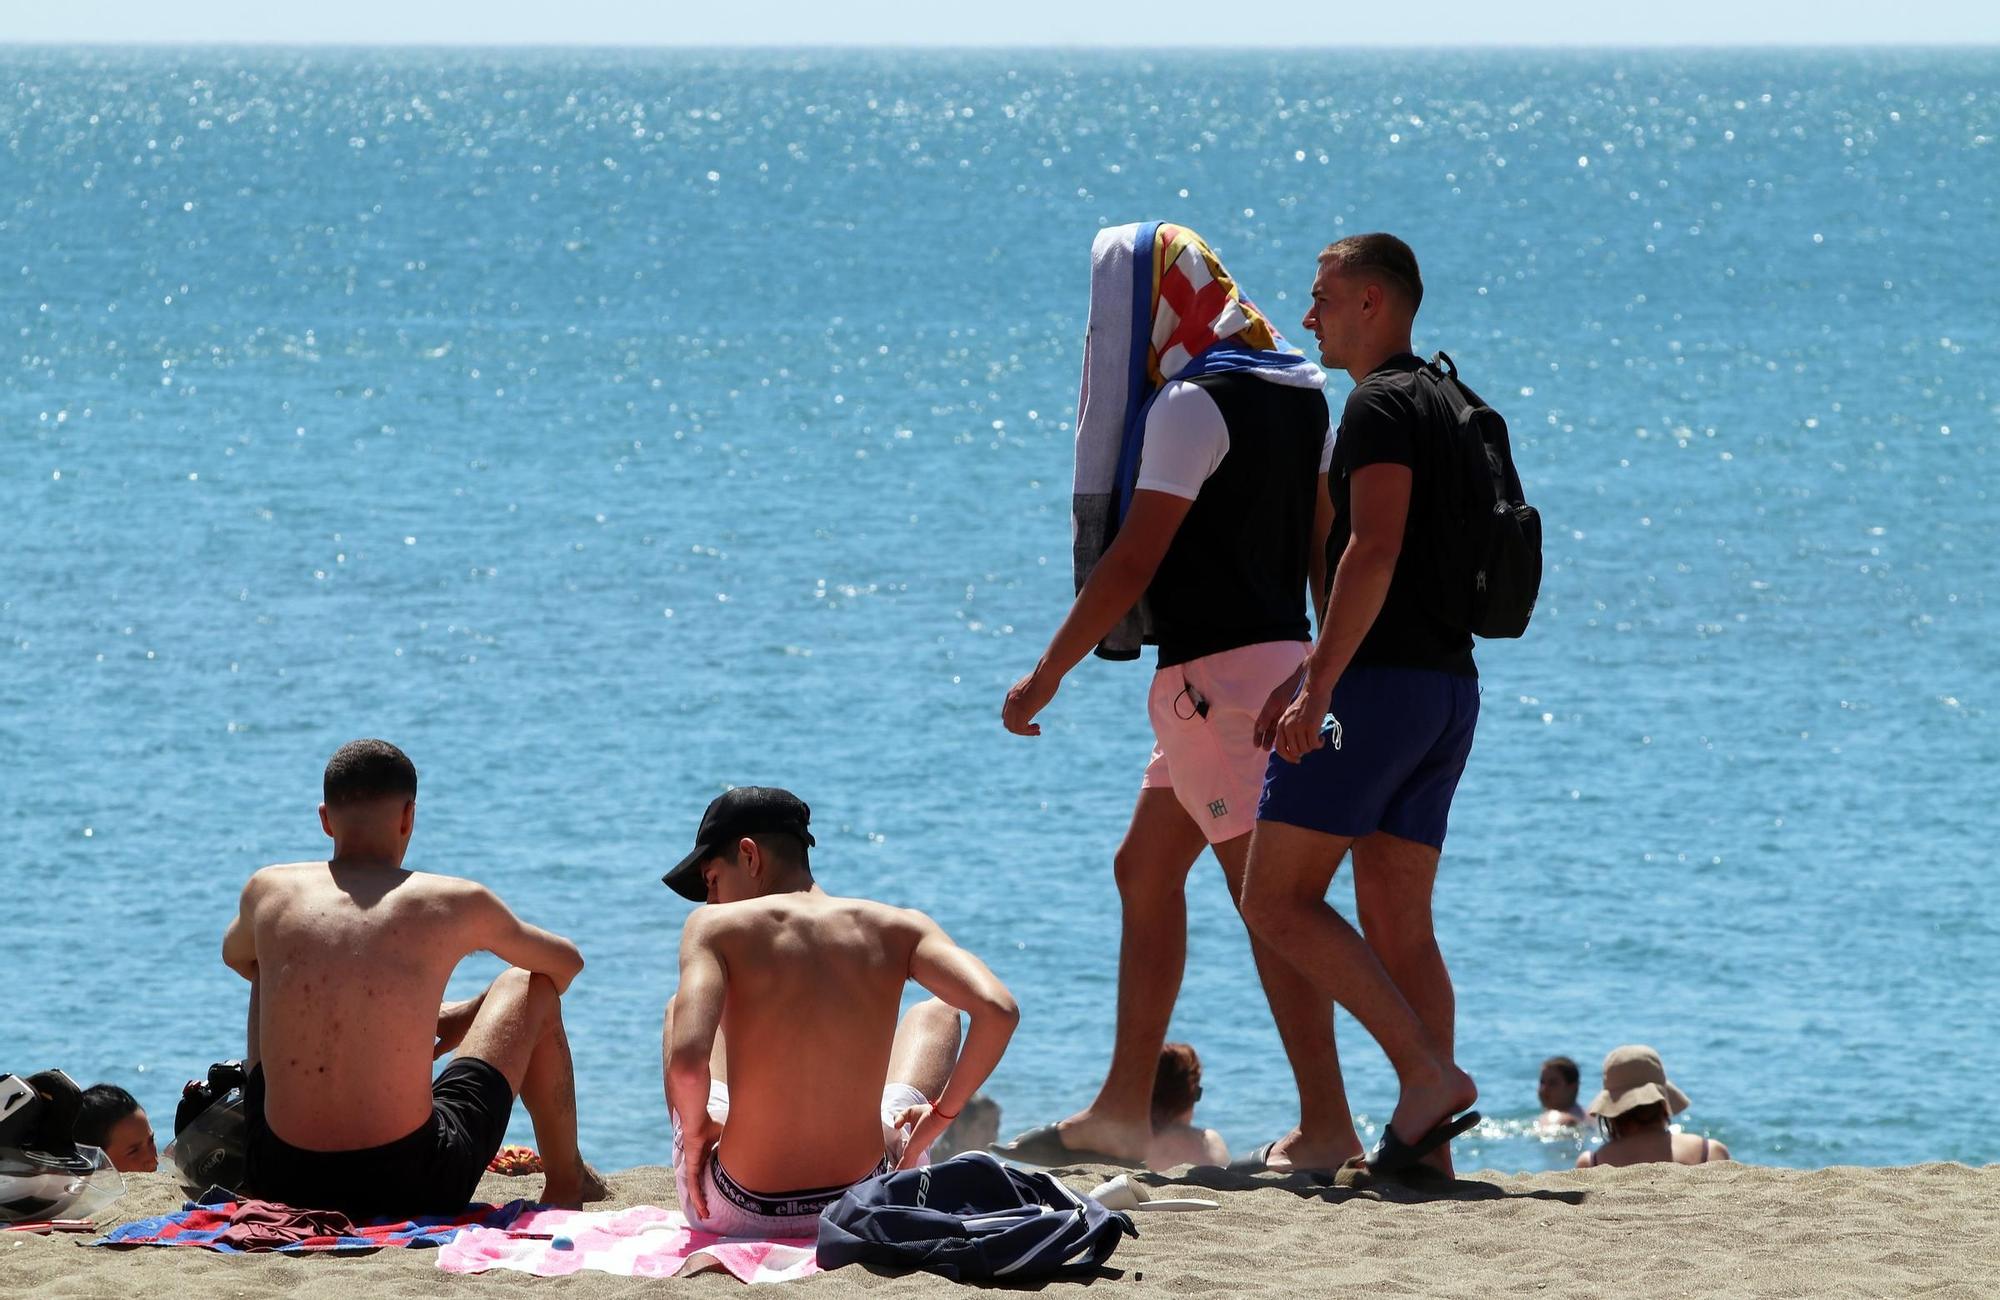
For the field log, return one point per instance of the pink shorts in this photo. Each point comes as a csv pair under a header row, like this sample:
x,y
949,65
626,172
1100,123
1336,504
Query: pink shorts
x,y
1209,760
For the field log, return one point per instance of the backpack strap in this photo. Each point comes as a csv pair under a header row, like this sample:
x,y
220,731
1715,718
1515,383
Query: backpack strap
x,y
1442,371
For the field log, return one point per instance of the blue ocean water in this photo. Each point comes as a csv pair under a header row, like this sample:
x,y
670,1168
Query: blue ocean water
x,y
608,428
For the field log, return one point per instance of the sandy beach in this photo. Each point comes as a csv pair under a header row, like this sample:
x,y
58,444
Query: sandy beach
x,y
1716,1230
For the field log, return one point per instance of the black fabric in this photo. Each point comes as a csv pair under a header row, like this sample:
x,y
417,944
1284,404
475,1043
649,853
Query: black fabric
x,y
746,810
970,1219
783,1205
1235,573
197,1095
1394,416
1488,537
434,1169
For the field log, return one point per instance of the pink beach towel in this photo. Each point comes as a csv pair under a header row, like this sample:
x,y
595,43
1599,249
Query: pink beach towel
x,y
644,1241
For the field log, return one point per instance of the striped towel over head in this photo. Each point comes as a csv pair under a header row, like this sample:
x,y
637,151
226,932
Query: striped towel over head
x,y
1162,307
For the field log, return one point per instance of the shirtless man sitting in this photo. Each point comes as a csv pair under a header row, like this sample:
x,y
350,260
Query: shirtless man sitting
x,y
788,1077
347,961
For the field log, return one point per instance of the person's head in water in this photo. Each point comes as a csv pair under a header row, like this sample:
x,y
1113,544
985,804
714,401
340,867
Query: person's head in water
x,y
753,841
1176,1085
369,800
1558,1084
1364,298
112,1119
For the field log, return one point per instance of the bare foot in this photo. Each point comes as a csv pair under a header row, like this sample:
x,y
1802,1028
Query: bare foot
x,y
1296,1150
1424,1105
1088,1131
573,1193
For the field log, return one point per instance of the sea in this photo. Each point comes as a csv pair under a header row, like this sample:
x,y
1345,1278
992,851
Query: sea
x,y
607,428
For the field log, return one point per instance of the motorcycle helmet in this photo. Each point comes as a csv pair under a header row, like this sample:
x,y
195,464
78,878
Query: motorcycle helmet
x,y
44,1174
211,1131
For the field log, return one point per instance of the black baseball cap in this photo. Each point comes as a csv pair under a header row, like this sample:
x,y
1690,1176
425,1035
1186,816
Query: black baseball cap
x,y
731,815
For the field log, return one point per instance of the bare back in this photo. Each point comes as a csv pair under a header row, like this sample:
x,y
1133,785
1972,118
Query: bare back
x,y
813,985
1660,1146
352,964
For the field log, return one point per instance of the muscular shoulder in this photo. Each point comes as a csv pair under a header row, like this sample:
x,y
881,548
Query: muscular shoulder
x,y
903,922
460,911
450,889
278,873
270,884
837,919
722,925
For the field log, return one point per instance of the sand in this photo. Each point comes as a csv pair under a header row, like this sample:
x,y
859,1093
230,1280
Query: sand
x,y
1709,1231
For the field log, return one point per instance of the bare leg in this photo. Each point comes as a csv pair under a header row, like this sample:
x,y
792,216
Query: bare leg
x,y
1152,866
1393,879
1325,1137
1285,900
519,1032
926,1049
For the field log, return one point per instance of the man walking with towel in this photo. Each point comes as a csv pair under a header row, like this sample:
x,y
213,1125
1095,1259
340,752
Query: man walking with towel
x,y
1202,446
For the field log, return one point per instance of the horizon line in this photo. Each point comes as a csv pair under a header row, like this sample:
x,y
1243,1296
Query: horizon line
x,y
246,43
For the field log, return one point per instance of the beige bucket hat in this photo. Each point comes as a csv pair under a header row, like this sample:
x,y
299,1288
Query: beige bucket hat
x,y
1634,1077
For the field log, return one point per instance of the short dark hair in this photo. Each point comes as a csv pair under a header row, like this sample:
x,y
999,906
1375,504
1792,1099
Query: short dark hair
x,y
1176,1084
101,1109
781,848
1382,256
1565,1067
362,771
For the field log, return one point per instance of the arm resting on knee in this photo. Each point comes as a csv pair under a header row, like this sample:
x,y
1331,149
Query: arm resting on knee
x,y
963,981
530,947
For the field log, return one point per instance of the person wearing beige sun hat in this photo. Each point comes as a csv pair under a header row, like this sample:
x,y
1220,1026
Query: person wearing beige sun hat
x,y
1633,1109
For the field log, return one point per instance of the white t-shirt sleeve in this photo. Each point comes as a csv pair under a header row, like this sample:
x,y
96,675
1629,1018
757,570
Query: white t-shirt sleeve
x,y
1185,440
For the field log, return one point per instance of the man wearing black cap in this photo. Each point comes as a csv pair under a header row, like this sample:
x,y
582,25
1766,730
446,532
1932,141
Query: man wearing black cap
x,y
819,1086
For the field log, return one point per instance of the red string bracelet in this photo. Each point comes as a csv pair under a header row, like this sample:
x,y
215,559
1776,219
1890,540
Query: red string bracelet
x,y
935,1111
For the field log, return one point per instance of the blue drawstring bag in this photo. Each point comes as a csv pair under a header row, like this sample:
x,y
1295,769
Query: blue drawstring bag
x,y
971,1219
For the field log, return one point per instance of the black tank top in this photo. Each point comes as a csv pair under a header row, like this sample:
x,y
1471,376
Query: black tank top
x,y
1235,573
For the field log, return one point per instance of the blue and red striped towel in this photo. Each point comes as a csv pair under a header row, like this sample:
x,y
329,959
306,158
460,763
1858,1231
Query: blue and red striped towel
x,y
1162,307
245,1227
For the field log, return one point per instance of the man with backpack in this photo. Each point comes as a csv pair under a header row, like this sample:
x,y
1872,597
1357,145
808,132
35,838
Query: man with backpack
x,y
1370,738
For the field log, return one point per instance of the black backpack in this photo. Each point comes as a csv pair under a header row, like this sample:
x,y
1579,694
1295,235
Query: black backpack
x,y
1489,541
971,1219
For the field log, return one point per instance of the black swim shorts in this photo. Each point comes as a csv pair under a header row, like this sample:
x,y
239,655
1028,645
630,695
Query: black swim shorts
x,y
432,1170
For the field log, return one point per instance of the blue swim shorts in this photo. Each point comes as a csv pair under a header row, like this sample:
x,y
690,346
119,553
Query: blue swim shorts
x,y
1391,760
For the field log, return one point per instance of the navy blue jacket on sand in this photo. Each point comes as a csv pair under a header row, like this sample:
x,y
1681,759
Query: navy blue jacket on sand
x,y
970,1219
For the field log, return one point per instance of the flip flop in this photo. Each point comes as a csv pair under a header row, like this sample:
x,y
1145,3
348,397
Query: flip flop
x,y
1044,1146
1259,1162
1393,1156
1121,1193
